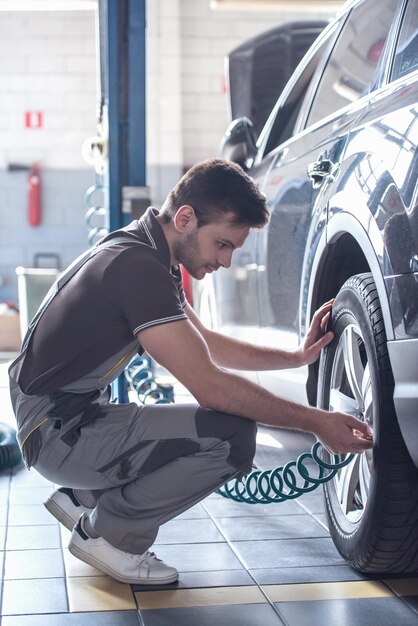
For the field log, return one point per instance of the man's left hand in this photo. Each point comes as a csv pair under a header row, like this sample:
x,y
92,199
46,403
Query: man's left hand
x,y
316,338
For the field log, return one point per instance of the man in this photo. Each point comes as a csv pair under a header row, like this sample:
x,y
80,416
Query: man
x,y
127,469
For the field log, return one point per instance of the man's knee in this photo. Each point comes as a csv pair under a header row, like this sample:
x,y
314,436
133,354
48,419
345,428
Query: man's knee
x,y
238,431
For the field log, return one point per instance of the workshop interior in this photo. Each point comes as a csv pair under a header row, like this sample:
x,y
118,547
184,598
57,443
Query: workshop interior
x,y
105,104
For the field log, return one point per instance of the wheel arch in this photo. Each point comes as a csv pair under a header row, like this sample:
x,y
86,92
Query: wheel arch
x,y
345,249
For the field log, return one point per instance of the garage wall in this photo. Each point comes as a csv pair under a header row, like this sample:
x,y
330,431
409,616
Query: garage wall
x,y
47,65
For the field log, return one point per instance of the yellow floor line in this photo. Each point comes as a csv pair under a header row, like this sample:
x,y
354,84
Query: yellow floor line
x,y
99,593
199,597
327,591
177,598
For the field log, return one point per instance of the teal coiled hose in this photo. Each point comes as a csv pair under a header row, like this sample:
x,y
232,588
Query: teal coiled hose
x,y
140,376
280,484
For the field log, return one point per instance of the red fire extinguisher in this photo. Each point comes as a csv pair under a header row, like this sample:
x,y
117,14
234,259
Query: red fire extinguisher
x,y
187,285
34,196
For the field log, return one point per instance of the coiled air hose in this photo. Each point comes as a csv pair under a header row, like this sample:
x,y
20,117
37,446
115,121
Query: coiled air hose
x,y
280,484
96,212
141,377
259,486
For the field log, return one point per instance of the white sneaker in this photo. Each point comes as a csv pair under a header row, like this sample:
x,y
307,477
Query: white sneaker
x,y
135,569
65,507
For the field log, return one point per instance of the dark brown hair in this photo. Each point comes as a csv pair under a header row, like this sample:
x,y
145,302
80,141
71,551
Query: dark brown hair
x,y
215,187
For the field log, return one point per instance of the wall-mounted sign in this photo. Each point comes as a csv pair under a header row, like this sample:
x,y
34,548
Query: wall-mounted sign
x,y
34,119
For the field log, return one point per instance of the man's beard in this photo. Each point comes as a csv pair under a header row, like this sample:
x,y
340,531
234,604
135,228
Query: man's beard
x,y
187,253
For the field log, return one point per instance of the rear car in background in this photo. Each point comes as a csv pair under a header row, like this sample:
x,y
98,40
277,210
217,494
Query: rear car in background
x,y
253,76
338,162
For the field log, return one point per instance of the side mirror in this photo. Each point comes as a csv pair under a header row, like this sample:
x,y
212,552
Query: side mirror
x,y
239,142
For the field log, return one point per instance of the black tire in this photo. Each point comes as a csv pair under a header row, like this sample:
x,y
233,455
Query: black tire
x,y
372,506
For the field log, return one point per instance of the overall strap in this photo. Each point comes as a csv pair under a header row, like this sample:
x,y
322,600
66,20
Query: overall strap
x,y
63,279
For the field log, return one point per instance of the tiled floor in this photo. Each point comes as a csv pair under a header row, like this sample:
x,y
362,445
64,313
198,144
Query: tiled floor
x,y
239,564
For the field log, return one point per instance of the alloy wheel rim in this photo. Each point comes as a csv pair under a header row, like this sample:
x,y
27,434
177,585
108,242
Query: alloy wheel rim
x,y
351,392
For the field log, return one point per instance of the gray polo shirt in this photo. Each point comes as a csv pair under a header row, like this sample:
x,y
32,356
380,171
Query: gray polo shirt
x,y
88,332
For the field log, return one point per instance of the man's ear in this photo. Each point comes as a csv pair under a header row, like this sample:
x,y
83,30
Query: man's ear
x,y
185,219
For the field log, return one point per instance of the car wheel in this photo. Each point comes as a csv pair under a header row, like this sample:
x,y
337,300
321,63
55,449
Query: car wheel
x,y
371,504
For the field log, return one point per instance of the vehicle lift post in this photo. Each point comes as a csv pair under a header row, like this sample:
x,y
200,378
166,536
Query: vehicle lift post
x,y
121,37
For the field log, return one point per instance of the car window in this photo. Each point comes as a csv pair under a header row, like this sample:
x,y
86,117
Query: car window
x,y
351,68
287,109
406,58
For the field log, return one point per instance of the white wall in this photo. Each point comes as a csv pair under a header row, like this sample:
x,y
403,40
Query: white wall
x,y
165,148
47,64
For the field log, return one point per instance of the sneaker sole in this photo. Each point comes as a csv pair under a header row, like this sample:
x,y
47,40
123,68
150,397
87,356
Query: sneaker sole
x,y
90,560
59,514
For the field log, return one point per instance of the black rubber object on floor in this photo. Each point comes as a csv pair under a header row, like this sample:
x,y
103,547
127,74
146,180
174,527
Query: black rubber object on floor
x,y
9,448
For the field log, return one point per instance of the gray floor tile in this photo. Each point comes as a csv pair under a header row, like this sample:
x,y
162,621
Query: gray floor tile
x,y
223,507
195,512
278,527
27,597
1,571
189,531
102,618
3,515
3,530
313,502
24,478
4,480
322,519
35,514
199,557
33,537
412,601
287,553
238,615
29,495
357,612
22,564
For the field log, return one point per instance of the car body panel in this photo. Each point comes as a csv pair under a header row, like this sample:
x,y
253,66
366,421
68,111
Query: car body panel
x,y
404,361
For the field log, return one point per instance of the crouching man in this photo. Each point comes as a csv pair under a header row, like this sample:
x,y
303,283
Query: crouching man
x,y
126,469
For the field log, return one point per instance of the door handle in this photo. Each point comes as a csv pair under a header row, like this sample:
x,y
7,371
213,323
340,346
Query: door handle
x,y
320,170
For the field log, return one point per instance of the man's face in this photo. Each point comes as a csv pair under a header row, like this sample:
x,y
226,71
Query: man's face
x,y
206,249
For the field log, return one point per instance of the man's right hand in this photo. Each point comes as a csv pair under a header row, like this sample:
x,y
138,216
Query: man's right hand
x,y
341,433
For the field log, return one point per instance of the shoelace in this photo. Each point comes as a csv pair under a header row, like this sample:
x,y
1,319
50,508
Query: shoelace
x,y
140,559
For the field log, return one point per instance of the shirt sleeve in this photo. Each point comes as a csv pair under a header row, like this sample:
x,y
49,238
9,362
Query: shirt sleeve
x,y
143,290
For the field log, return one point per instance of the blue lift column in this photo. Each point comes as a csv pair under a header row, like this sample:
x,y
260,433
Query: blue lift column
x,y
122,75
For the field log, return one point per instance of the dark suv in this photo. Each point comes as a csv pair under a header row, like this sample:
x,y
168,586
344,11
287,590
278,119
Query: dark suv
x,y
338,162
